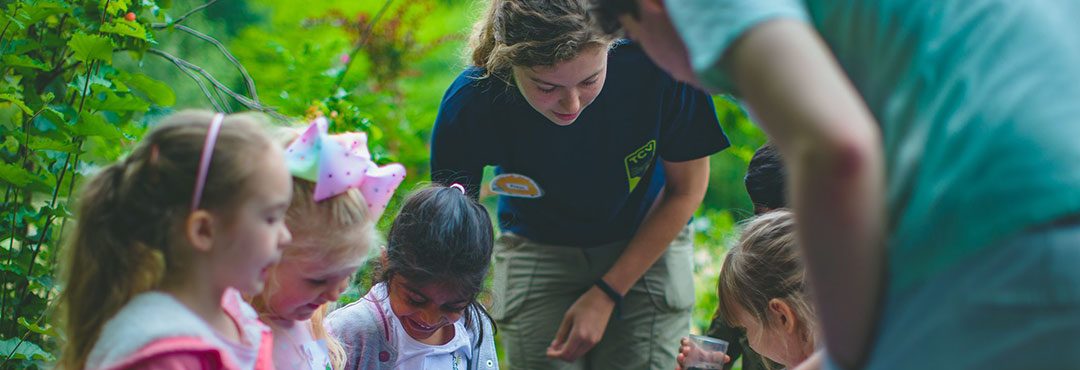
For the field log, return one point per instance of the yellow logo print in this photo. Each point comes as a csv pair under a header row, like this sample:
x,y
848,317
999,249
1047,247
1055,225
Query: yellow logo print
x,y
639,162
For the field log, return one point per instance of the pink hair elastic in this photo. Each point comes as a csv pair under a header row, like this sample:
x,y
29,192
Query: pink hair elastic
x,y
459,187
204,161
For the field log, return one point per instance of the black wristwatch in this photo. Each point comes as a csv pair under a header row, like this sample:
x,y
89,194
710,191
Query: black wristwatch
x,y
611,293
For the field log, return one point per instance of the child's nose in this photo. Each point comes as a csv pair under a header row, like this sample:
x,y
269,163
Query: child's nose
x,y
431,317
333,293
284,237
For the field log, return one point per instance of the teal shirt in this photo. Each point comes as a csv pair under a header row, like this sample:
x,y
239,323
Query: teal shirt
x,y
978,102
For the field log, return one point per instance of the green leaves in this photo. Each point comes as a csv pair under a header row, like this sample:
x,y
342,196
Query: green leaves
x,y
41,10
23,61
21,178
118,102
125,27
158,92
114,6
17,101
91,47
23,350
94,125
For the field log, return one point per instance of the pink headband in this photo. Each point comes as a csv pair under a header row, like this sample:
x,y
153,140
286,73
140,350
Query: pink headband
x,y
341,162
204,162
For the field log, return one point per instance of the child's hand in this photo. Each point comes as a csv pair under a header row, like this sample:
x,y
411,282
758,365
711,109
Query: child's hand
x,y
688,350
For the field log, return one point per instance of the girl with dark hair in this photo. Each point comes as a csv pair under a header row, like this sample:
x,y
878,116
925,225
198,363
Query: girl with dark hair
x,y
422,312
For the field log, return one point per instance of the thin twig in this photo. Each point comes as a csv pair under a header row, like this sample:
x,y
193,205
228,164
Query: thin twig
x,y
105,11
4,32
59,56
86,86
359,45
41,238
11,245
227,108
250,82
218,105
48,293
247,102
67,204
176,61
186,15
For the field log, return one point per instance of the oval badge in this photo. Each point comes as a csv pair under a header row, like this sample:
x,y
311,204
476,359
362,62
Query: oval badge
x,y
515,185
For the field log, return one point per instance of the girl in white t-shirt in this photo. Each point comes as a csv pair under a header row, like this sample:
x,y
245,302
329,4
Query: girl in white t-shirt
x,y
423,312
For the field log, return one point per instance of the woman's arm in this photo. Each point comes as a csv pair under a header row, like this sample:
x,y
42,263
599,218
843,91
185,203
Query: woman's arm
x,y
832,147
585,321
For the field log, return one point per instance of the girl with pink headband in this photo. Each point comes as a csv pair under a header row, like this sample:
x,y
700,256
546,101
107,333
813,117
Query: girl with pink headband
x,y
168,239
338,196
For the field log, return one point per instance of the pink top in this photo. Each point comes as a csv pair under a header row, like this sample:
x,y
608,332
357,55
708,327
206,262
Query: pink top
x,y
154,331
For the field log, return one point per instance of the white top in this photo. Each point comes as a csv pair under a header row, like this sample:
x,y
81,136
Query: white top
x,y
155,315
412,354
296,348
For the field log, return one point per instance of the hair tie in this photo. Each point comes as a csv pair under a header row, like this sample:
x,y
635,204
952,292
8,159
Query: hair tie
x,y
459,187
341,162
204,162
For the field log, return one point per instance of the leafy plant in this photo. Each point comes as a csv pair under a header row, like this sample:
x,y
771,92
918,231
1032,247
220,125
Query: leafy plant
x,y
66,107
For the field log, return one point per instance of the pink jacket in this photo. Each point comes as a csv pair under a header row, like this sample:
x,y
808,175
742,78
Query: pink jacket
x,y
155,331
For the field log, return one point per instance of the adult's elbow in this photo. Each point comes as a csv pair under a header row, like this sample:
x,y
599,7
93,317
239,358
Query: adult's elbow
x,y
843,155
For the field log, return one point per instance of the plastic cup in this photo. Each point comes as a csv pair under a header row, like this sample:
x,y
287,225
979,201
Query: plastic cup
x,y
705,353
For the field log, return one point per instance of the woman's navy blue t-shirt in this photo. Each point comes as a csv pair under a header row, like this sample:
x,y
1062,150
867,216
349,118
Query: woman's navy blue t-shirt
x,y
585,184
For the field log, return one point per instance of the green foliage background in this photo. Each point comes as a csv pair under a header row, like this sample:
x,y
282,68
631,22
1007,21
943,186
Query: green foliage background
x,y
79,84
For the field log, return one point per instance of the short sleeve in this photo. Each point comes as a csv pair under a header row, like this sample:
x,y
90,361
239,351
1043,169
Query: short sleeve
x,y
691,130
710,27
459,139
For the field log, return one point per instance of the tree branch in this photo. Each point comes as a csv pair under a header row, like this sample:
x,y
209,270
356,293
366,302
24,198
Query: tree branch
x,y
359,45
250,82
188,67
11,243
185,16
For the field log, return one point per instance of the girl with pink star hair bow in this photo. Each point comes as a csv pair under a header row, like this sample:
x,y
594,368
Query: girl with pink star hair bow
x,y
339,193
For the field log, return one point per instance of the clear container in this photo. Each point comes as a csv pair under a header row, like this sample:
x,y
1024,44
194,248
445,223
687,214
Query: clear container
x,y
705,353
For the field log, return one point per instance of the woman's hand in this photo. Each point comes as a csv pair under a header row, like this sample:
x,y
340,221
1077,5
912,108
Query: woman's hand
x,y
583,326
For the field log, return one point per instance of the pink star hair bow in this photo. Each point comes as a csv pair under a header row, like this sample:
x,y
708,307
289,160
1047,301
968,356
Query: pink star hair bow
x,y
341,162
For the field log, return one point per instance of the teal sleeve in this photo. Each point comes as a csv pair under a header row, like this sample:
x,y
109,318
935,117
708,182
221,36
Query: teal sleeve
x,y
710,27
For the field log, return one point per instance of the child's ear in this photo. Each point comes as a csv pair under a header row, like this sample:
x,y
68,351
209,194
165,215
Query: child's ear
x,y
784,315
382,256
199,230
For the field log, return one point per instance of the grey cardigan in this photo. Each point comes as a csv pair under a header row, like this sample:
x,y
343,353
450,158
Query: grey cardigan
x,y
364,331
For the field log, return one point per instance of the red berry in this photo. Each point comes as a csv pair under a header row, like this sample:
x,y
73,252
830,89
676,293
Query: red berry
x,y
130,16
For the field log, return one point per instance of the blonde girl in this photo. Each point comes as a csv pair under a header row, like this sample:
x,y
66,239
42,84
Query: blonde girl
x,y
762,289
333,227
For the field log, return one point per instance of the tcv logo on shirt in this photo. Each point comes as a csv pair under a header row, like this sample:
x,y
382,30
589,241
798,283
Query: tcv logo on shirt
x,y
637,163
